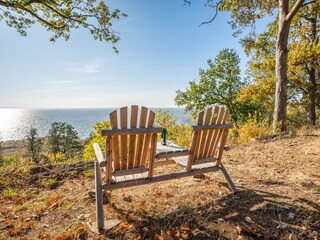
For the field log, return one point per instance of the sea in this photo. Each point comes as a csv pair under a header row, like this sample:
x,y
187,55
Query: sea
x,y
15,123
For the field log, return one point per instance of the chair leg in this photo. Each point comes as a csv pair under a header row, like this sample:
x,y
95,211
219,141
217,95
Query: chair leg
x,y
229,180
99,197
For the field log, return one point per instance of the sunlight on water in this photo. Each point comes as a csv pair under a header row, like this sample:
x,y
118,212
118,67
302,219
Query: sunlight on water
x,y
15,123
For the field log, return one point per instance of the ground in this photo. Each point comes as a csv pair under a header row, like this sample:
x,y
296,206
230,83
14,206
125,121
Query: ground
x,y
278,198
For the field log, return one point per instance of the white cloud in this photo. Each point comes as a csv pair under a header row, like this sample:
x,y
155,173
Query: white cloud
x,y
50,90
92,66
86,68
59,81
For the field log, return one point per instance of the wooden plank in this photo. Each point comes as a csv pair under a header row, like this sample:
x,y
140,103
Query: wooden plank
x,y
128,131
146,147
192,147
205,133
108,158
220,120
99,156
152,154
142,124
197,146
182,161
159,178
130,171
219,137
215,132
115,140
211,131
221,147
124,138
132,141
208,127
99,196
172,154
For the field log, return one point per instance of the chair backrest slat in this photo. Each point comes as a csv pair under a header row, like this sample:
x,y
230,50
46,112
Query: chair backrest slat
x,y
124,138
146,146
132,146
205,142
115,139
142,124
198,136
211,131
220,133
205,133
215,138
132,141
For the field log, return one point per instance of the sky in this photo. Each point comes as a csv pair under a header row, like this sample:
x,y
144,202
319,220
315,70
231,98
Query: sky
x,y
161,50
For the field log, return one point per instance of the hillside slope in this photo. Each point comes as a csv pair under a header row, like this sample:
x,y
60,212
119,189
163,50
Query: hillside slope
x,y
279,198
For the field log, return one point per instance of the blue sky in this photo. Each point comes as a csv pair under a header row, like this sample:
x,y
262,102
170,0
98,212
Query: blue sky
x,y
162,48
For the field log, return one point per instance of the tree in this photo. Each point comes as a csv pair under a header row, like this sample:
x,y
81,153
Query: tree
x,y
61,16
96,137
219,84
303,62
244,15
63,138
34,145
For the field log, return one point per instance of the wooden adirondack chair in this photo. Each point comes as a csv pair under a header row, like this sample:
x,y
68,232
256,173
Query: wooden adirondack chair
x,y
207,145
130,151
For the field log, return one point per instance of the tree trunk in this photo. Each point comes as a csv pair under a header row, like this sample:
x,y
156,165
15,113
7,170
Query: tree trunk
x,y
311,108
280,108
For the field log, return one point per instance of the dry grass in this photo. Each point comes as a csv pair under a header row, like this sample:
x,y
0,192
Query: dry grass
x,y
279,198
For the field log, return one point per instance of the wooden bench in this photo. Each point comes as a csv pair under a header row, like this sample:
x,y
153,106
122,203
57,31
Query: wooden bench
x,y
132,152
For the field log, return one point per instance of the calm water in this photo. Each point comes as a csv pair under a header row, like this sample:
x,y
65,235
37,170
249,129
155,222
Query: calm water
x,y
14,123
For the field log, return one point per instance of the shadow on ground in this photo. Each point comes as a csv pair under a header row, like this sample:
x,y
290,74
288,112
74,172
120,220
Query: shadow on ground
x,y
251,213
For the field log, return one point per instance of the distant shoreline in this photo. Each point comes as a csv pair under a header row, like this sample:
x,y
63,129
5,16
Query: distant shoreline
x,y
19,147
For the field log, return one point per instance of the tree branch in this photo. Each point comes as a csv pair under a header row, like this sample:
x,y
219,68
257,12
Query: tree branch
x,y
186,2
215,15
294,10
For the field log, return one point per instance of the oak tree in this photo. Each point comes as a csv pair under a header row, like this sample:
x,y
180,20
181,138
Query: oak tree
x,y
62,16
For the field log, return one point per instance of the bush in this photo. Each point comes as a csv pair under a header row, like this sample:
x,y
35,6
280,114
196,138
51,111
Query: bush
x,y
95,137
63,138
252,130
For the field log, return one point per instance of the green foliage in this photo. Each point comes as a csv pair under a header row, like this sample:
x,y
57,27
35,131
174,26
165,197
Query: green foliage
x,y
61,16
34,145
303,67
252,130
179,134
219,84
52,183
13,161
8,192
63,138
95,137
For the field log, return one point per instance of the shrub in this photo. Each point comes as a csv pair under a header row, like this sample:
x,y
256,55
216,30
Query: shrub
x,y
63,138
95,137
251,130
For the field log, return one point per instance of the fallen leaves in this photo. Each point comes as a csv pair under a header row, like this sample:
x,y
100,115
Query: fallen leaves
x,y
54,202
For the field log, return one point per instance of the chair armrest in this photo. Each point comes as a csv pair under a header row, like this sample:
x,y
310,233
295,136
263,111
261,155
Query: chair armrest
x,y
99,156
